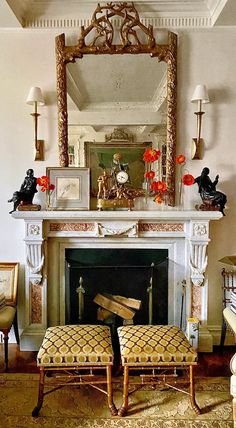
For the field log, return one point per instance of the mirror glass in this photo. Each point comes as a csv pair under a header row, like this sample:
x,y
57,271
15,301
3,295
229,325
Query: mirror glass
x,y
126,93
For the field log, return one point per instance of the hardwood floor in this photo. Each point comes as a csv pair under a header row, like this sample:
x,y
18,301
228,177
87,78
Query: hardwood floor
x,y
210,364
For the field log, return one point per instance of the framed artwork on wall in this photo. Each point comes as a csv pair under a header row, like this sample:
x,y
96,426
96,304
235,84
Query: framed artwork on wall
x,y
8,281
71,188
100,156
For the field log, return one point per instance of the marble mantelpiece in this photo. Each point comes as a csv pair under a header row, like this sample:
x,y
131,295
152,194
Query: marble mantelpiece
x,y
48,233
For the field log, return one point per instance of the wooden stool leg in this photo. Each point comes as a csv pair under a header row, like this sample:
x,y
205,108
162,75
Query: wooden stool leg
x,y
111,404
192,392
6,338
123,410
223,334
36,410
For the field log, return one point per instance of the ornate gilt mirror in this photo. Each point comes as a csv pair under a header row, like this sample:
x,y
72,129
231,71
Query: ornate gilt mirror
x,y
117,33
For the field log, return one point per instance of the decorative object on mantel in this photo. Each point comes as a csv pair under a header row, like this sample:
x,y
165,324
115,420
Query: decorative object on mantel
x,y
47,187
35,98
201,96
184,178
155,188
114,156
22,199
114,189
213,200
71,188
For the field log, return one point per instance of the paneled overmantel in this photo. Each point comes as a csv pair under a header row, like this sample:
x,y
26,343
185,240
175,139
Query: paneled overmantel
x,y
48,233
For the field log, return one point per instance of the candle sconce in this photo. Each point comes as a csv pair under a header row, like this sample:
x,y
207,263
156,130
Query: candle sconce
x,y
35,98
200,96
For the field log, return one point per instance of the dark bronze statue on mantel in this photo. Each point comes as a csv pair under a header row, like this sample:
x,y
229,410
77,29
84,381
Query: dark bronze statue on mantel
x,y
24,197
212,199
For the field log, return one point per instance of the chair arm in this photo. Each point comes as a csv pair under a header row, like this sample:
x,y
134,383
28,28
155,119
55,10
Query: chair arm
x,y
230,318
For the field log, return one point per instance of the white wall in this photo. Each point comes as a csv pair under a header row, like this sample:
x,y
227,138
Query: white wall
x,y
205,56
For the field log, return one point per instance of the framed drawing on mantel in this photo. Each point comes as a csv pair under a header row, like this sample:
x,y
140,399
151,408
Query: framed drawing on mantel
x,y
105,156
71,188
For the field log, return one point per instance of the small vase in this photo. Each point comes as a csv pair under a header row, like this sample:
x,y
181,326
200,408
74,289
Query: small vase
x,y
181,196
48,201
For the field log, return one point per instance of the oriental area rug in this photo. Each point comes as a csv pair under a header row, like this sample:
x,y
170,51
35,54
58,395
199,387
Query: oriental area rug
x,y
84,407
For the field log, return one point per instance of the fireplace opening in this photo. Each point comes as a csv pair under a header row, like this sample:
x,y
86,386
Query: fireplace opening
x,y
116,286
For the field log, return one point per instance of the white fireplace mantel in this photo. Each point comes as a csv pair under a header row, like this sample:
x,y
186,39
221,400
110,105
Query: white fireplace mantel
x,y
48,233
170,214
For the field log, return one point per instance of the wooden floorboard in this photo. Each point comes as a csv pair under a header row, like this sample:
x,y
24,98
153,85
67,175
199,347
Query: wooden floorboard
x,y
210,364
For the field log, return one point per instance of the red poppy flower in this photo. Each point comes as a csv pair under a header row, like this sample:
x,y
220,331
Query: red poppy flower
x,y
180,159
158,186
188,180
43,181
151,155
149,174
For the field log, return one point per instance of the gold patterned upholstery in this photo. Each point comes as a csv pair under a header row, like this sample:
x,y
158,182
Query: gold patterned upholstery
x,y
76,352
76,345
159,350
154,344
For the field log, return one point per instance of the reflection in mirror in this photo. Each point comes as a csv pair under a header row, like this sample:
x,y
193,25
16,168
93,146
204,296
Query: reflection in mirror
x,y
133,93
111,92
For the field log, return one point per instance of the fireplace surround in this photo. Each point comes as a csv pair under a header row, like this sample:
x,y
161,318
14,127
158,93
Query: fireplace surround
x,y
48,234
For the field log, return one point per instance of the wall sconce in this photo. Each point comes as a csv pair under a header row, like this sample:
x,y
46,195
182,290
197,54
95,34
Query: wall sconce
x,y
201,96
35,98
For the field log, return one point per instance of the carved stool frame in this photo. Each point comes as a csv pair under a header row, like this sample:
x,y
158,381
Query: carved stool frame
x,y
161,350
73,376
161,374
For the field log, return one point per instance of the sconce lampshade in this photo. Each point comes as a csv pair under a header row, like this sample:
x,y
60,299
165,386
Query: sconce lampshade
x,y
200,94
35,95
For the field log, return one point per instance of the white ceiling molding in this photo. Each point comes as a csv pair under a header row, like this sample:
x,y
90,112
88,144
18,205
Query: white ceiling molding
x,y
48,14
216,9
156,22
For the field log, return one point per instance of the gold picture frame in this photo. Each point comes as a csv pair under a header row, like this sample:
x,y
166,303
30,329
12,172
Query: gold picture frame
x,y
9,273
71,188
98,154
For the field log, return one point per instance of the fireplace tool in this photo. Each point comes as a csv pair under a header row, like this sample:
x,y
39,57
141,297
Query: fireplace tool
x,y
80,290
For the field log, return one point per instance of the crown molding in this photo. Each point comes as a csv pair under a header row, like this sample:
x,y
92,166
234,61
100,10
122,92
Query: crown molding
x,y
50,14
156,22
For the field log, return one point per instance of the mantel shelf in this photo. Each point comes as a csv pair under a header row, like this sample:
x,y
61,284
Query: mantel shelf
x,y
183,215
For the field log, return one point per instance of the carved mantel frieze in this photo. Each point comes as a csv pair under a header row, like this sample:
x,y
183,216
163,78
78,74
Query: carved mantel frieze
x,y
123,229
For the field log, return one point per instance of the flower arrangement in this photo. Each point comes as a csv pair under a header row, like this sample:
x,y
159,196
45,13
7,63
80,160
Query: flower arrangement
x,y
46,186
153,187
184,176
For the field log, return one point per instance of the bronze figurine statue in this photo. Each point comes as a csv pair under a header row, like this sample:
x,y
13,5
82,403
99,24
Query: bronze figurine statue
x,y
212,199
27,191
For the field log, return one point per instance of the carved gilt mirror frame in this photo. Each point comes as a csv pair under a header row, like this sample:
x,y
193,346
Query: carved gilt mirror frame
x,y
102,31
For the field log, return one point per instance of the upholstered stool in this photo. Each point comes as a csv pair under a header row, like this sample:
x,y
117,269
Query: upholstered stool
x,y
71,353
161,350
